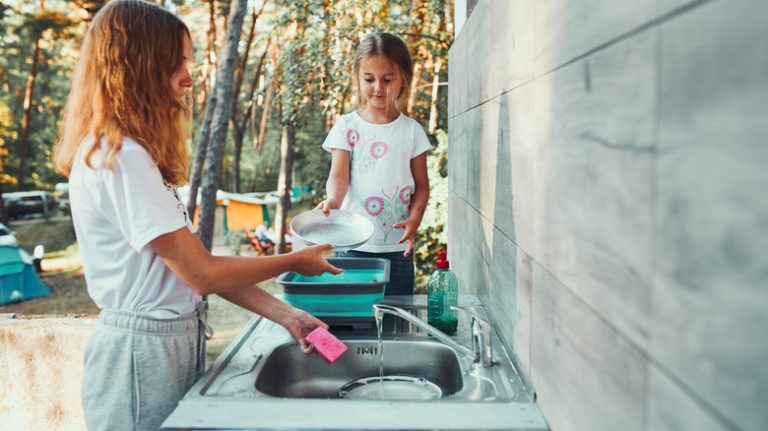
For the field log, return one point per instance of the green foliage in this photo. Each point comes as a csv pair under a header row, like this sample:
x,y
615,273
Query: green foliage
x,y
317,60
59,29
311,162
433,232
316,41
258,170
236,239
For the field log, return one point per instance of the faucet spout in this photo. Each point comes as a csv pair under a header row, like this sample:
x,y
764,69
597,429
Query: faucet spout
x,y
477,354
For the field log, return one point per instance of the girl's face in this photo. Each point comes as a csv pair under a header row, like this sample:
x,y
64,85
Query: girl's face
x,y
379,81
181,79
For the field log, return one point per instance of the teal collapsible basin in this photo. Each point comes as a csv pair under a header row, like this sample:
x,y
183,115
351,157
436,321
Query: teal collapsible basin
x,y
349,294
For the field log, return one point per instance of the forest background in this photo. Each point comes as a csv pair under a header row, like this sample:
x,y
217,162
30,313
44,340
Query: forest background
x,y
271,78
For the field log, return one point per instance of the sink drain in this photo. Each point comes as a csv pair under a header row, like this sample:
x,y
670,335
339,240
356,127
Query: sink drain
x,y
390,388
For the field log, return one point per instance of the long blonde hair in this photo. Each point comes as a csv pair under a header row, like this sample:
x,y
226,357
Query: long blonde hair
x,y
395,50
122,88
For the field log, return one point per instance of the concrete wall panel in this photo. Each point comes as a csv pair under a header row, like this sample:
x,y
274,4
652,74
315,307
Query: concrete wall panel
x,y
586,374
711,296
594,168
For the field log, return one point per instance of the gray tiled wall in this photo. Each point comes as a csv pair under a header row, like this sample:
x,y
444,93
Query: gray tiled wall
x,y
608,165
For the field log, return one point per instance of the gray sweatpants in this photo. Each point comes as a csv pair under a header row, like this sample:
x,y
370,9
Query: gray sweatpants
x,y
137,368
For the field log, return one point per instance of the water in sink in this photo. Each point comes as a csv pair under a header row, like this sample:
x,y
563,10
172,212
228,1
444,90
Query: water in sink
x,y
395,388
288,372
389,387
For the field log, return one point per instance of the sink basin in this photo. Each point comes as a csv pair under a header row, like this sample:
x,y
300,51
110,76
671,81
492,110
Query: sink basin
x,y
287,372
264,381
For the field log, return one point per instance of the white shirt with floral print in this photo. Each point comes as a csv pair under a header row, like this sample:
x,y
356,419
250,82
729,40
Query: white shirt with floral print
x,y
380,180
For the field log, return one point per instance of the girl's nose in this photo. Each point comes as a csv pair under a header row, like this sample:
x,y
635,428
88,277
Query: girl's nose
x,y
187,82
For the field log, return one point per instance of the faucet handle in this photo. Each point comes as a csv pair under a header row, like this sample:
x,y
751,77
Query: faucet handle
x,y
481,334
472,312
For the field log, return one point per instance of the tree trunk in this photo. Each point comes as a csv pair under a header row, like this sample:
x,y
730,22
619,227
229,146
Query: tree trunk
x,y
3,215
238,127
259,142
223,90
284,184
237,140
200,152
27,113
415,22
414,88
255,81
437,56
435,89
209,65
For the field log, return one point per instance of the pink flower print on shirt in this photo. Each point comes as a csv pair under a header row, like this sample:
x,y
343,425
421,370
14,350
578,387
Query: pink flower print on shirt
x,y
374,205
405,195
389,210
379,149
366,150
386,221
353,137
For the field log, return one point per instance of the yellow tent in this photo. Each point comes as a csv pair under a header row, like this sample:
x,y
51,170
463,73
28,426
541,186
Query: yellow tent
x,y
236,211
246,215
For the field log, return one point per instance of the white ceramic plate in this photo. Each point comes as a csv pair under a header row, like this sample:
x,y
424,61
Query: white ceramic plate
x,y
345,230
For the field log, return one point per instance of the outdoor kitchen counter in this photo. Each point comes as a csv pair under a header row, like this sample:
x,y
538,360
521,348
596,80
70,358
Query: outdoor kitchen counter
x,y
226,396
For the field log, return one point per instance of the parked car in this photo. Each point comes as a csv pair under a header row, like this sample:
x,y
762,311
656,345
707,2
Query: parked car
x,y
21,204
61,193
7,236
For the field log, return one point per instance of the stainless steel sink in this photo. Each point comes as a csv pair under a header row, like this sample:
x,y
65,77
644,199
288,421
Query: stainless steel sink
x,y
264,381
287,372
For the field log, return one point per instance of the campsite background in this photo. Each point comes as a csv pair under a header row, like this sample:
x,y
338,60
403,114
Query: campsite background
x,y
275,103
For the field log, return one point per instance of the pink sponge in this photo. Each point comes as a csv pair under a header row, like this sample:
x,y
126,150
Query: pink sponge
x,y
326,345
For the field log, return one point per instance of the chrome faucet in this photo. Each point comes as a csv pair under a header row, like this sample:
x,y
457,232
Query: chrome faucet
x,y
480,353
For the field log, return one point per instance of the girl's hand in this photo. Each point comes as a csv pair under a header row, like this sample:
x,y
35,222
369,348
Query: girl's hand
x,y
411,225
310,261
327,205
299,324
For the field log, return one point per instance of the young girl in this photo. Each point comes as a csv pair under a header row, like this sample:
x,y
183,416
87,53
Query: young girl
x,y
123,147
379,158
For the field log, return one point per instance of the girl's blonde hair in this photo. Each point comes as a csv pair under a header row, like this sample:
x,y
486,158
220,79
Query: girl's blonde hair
x,y
392,48
122,87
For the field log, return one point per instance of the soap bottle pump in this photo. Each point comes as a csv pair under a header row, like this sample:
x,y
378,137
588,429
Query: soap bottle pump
x,y
442,293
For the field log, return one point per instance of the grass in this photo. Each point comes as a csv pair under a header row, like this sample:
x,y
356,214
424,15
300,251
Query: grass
x,y
55,233
67,285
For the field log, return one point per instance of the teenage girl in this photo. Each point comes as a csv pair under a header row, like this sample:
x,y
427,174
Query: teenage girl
x,y
123,146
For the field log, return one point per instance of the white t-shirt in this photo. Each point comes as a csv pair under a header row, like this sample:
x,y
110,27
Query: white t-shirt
x,y
116,214
380,180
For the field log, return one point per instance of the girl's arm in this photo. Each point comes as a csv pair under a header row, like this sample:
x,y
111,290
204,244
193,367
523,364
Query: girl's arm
x,y
338,181
298,323
204,273
235,278
418,201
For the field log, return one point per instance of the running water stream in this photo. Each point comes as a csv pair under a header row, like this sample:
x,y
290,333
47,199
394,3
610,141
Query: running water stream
x,y
394,387
379,316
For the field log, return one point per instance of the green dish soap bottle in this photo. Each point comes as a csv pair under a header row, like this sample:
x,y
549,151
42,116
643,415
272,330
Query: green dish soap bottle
x,y
442,293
